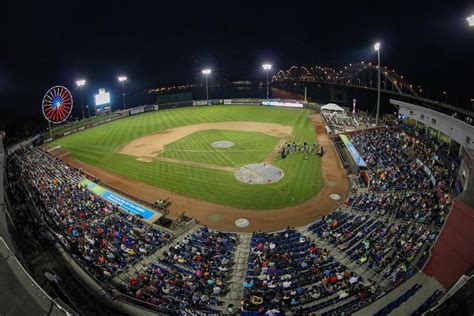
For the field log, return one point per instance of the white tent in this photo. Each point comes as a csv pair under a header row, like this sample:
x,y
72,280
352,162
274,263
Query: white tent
x,y
332,107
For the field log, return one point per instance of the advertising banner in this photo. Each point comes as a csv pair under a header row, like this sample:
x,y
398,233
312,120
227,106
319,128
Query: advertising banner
x,y
283,103
123,203
136,111
353,151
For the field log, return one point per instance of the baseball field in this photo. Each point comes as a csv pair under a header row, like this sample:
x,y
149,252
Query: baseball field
x,y
173,150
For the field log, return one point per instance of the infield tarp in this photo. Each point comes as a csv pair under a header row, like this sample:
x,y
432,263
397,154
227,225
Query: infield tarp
x,y
125,204
353,151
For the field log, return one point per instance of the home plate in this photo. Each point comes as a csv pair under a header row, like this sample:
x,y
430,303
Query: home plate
x,y
242,223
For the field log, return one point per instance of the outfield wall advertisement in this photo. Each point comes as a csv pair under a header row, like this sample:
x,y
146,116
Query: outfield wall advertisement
x,y
283,103
123,203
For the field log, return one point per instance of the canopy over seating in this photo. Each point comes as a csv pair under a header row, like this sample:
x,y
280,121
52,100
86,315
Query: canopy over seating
x,y
332,107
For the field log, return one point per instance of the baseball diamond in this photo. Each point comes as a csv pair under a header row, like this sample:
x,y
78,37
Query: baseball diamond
x,y
172,150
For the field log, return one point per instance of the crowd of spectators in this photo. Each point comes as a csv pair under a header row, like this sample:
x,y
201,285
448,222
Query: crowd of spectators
x,y
386,154
384,229
385,246
343,229
341,122
107,244
397,161
424,207
389,249
191,275
102,238
288,272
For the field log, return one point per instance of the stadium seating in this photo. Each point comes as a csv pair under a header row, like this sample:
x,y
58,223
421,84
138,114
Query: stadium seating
x,y
397,302
289,272
99,236
384,229
191,275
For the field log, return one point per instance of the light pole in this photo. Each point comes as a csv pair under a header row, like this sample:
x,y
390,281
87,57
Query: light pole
x,y
445,96
206,72
80,83
267,68
470,20
377,49
122,80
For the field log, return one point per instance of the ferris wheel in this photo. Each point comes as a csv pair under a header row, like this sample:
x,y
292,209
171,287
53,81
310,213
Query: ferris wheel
x,y
57,104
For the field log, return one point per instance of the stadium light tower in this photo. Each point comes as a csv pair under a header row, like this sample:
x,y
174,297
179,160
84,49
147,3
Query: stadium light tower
x,y
81,83
267,68
470,20
377,49
206,73
122,80
445,96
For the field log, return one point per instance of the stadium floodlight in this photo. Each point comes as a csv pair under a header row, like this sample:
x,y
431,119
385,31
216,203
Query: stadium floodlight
x,y
122,80
470,20
445,96
377,49
267,68
206,72
80,83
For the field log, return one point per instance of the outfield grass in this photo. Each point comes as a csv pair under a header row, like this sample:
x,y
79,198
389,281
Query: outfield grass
x,y
97,146
249,147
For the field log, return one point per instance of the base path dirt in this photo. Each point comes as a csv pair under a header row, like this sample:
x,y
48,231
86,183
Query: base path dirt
x,y
222,216
147,148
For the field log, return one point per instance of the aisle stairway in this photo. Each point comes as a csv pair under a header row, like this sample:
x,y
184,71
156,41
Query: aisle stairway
x,y
239,269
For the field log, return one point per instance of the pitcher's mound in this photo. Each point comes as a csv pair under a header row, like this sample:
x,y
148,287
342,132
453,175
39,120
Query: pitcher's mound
x,y
222,144
259,173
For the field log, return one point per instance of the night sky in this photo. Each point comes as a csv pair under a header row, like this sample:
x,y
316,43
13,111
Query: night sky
x,y
45,43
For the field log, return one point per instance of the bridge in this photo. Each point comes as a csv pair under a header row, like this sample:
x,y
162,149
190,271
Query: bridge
x,y
364,76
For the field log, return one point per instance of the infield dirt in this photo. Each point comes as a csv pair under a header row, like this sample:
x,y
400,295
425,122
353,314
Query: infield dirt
x,y
147,148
